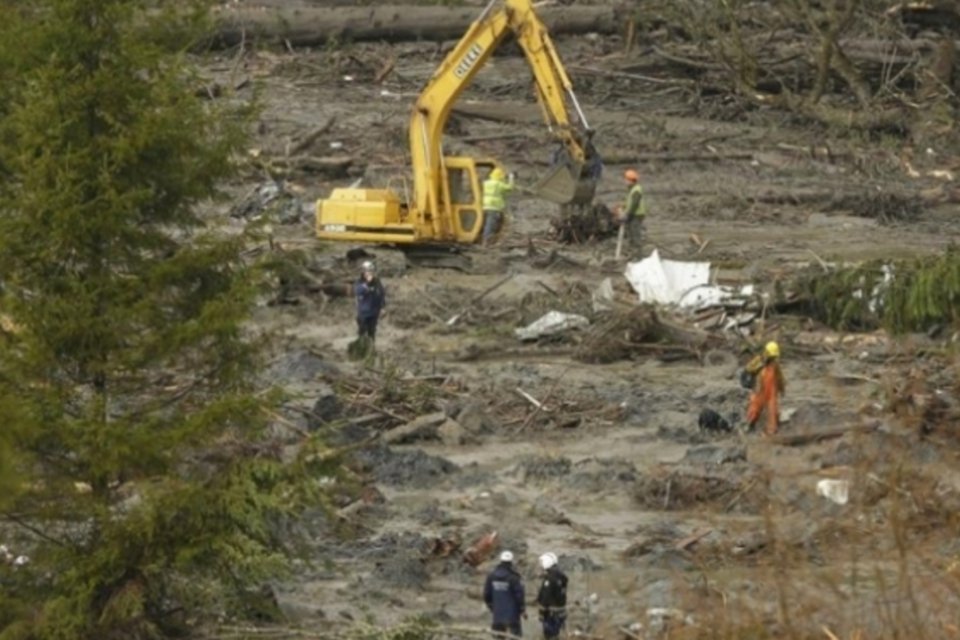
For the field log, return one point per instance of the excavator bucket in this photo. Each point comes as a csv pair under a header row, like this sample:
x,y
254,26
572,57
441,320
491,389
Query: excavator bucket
x,y
565,183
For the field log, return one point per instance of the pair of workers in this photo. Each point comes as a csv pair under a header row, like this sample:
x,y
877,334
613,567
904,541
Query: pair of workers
x,y
631,215
503,593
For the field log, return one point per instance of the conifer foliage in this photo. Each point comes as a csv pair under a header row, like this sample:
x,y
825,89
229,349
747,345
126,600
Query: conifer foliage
x,y
131,470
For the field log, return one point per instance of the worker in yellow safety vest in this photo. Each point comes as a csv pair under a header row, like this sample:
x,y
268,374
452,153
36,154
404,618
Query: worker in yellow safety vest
x,y
495,189
634,211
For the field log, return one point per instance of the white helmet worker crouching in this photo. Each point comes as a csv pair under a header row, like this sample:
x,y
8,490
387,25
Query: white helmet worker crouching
x,y
548,560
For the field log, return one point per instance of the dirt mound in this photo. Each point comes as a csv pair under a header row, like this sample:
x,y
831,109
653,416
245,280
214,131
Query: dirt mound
x,y
405,570
540,468
404,468
597,475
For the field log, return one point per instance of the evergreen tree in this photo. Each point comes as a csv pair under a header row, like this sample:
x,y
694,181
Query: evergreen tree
x,y
128,419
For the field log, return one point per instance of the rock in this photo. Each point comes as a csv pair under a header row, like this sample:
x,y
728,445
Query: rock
x,y
600,475
657,593
711,454
475,420
844,454
668,558
405,468
325,409
451,433
402,570
544,467
578,564
546,513
296,610
299,366
661,620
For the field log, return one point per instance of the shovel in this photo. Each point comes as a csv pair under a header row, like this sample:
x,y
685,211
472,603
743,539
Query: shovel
x,y
620,241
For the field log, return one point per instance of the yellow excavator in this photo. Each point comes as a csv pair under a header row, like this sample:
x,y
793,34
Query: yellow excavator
x,y
445,207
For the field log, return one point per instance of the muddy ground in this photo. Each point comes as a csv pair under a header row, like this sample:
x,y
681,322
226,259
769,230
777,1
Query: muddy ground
x,y
612,475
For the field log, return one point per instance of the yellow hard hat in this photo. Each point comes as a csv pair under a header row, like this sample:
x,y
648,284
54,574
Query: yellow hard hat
x,y
497,173
772,350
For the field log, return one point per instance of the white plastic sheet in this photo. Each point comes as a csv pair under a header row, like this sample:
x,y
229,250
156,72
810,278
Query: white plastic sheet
x,y
685,284
550,324
837,491
665,281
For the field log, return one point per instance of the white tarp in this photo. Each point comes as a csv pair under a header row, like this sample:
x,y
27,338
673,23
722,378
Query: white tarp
x,y
666,281
550,324
686,284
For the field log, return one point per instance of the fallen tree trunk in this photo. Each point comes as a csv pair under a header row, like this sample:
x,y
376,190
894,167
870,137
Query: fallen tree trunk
x,y
801,439
311,26
334,166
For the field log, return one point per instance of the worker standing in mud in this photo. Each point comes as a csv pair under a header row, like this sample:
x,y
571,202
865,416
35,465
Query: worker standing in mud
x,y
371,300
633,213
552,597
495,190
768,384
503,595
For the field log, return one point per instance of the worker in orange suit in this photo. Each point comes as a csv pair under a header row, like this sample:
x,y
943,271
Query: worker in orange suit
x,y
767,387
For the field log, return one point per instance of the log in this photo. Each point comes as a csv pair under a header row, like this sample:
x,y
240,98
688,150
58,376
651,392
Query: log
x,y
335,166
307,141
692,539
477,298
801,439
628,157
416,428
312,26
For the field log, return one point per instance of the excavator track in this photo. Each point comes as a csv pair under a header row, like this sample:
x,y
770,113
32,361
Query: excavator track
x,y
437,257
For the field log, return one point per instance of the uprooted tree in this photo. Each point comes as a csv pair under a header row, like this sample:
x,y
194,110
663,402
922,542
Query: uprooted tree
x,y
900,296
134,473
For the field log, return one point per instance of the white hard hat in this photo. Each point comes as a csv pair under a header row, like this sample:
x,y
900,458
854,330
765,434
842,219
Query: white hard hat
x,y
506,556
368,266
548,560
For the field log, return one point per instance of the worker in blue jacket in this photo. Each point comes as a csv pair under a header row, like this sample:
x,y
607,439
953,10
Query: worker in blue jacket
x,y
503,595
371,299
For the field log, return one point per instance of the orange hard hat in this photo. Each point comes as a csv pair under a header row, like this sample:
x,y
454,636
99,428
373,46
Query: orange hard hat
x,y
631,175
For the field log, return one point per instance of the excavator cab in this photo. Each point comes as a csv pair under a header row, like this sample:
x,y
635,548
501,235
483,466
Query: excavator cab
x,y
463,194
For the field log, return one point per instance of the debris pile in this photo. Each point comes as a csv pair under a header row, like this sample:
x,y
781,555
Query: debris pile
x,y
687,489
579,226
620,335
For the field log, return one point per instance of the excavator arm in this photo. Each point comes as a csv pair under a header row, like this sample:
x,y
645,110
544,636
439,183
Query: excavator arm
x,y
554,90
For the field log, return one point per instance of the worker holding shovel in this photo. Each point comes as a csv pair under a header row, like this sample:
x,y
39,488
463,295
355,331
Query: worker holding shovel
x,y
632,215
